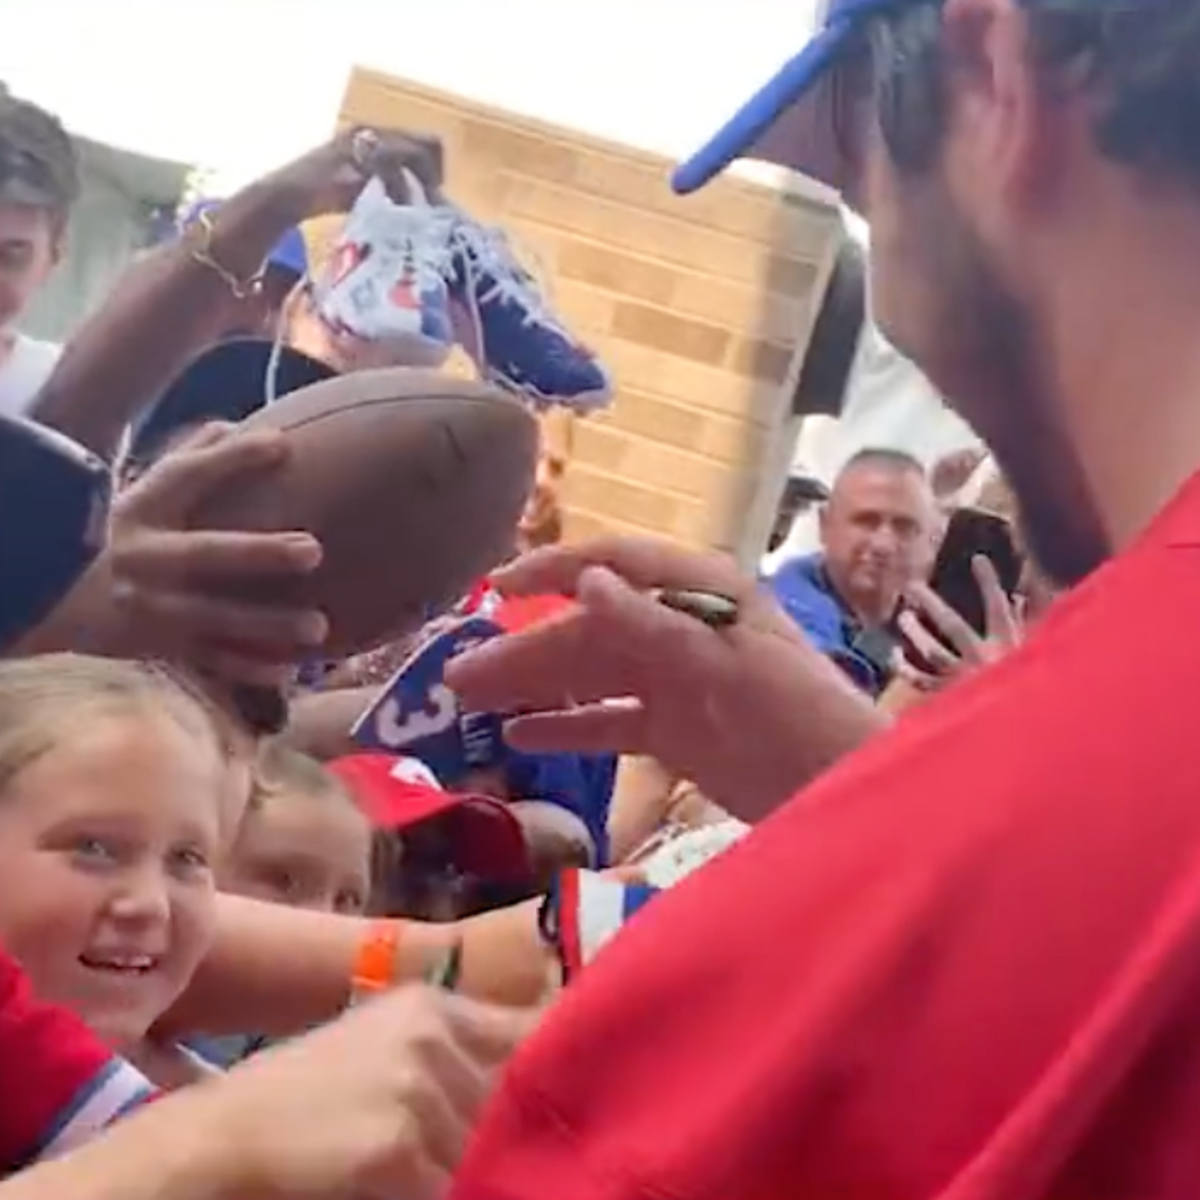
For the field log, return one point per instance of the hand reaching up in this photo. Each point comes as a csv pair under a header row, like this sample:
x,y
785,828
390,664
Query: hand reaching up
x,y
960,650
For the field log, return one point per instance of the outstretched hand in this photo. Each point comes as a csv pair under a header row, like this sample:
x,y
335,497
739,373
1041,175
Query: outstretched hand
x,y
328,180
621,672
960,650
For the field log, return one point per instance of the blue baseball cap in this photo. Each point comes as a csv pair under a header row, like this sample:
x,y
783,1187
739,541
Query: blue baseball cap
x,y
289,254
789,120
226,382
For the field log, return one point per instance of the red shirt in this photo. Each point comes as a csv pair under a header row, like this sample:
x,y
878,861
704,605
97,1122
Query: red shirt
x,y
964,965
59,1085
520,612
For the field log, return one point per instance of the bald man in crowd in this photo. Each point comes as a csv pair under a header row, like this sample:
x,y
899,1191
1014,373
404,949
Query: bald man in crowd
x,y
879,533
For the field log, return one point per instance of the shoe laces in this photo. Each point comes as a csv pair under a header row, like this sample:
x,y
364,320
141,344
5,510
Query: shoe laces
x,y
430,245
488,252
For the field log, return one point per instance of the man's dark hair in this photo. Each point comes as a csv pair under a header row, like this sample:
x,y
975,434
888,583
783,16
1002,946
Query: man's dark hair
x,y
884,456
38,151
1136,63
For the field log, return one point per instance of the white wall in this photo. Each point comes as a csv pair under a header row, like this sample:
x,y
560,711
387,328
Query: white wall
x,y
107,228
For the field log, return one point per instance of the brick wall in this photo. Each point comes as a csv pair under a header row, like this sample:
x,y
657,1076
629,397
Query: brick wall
x,y
699,306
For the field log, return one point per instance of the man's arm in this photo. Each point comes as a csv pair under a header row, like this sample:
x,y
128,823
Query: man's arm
x,y
165,309
169,306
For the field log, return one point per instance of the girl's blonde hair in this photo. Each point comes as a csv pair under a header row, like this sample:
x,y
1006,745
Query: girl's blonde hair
x,y
280,769
47,698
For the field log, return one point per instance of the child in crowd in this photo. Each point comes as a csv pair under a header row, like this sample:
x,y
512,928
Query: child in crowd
x,y
118,796
304,841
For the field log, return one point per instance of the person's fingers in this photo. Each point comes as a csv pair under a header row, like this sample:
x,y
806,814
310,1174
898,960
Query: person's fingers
x,y
642,562
1003,625
395,153
922,681
604,728
617,642
926,645
543,667
216,621
951,473
413,1175
181,558
177,481
488,1032
444,1128
947,622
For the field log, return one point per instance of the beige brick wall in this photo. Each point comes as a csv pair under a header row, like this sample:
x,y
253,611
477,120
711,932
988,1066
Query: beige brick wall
x,y
699,306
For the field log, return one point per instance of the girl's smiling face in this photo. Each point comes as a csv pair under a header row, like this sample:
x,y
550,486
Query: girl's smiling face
x,y
107,846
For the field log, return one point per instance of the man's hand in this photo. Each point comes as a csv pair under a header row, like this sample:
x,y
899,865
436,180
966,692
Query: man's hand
x,y
172,585
951,473
750,712
378,1104
328,180
967,651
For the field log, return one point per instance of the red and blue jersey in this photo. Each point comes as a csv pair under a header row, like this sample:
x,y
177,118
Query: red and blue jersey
x,y
59,1085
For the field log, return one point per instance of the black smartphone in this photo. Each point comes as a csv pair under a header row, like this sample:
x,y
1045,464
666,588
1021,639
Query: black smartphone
x,y
971,532
54,499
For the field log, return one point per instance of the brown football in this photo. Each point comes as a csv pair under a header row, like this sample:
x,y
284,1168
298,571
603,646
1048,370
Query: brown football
x,y
414,483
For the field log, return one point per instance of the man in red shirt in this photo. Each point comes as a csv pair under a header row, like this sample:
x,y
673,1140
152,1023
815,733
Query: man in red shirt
x,y
965,963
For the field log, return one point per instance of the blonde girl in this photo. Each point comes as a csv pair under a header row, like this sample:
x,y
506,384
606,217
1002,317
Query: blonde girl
x,y
118,795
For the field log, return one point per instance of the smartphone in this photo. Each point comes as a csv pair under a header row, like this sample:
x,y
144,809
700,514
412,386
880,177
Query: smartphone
x,y
971,532
54,500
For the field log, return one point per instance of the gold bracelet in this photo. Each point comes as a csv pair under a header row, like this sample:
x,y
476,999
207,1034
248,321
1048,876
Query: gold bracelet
x,y
199,239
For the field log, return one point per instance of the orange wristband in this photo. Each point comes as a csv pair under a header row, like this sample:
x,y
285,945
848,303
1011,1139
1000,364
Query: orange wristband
x,y
375,963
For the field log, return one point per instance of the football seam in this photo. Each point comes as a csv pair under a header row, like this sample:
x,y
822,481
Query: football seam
x,y
360,404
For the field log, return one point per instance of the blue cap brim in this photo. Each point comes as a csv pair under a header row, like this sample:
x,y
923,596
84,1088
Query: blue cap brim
x,y
783,122
289,254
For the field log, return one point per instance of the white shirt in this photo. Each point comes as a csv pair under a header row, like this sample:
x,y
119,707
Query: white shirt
x,y
23,372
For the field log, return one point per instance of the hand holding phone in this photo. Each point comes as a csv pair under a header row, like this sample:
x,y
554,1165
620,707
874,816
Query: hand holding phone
x,y
940,645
